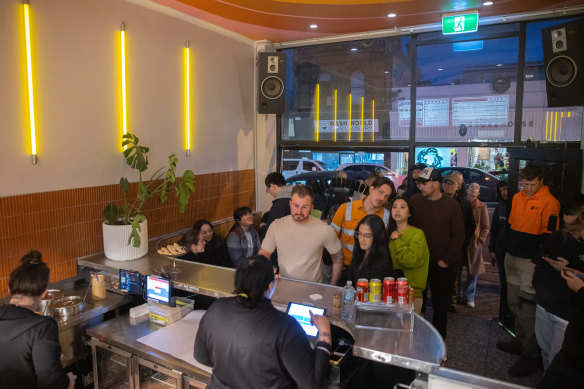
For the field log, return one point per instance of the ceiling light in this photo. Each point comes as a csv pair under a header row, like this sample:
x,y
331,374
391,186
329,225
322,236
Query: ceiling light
x,y
488,3
499,64
391,15
354,49
386,72
313,26
440,69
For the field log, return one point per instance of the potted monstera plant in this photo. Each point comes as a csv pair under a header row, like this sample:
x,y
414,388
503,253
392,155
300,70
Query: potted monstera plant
x,y
125,229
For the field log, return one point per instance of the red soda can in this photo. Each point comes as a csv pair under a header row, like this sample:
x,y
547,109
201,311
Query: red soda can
x,y
359,293
389,290
403,291
363,283
375,290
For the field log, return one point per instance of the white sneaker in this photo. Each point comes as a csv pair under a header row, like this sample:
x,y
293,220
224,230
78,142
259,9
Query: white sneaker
x,y
470,304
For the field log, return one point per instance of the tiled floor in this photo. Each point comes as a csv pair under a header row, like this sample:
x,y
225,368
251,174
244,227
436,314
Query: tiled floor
x,y
473,333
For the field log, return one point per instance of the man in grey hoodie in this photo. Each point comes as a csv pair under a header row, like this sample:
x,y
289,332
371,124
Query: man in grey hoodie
x,y
276,186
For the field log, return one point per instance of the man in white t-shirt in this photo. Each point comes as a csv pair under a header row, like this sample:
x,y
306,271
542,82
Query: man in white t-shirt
x,y
300,239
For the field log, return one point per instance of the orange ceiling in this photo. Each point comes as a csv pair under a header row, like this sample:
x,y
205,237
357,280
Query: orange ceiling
x,y
288,20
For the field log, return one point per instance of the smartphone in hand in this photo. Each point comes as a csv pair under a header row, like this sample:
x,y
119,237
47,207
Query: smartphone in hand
x,y
574,274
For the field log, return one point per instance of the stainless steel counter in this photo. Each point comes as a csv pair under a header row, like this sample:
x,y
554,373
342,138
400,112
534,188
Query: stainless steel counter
x,y
420,350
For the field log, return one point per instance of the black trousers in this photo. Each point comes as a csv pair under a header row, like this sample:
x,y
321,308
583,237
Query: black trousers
x,y
441,281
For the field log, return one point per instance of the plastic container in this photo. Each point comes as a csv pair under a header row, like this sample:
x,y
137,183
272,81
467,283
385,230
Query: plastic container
x,y
163,314
348,308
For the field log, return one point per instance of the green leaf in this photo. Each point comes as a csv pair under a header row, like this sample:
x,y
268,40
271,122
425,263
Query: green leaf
x,y
125,185
136,155
135,229
110,213
185,188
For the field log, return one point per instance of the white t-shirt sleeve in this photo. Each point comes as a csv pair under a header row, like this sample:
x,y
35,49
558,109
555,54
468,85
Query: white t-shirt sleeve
x,y
332,242
269,242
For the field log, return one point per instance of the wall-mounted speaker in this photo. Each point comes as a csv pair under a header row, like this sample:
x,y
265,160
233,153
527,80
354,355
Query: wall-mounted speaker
x,y
272,78
563,52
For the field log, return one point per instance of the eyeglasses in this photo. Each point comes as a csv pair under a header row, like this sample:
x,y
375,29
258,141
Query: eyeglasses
x,y
363,235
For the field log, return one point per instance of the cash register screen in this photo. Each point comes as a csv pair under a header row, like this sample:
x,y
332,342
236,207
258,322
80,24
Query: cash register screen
x,y
131,281
158,289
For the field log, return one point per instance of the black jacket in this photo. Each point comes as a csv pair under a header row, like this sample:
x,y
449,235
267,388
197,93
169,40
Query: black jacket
x,y
498,230
280,205
551,291
215,254
257,347
30,352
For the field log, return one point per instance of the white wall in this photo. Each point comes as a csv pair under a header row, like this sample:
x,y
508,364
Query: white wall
x,y
75,54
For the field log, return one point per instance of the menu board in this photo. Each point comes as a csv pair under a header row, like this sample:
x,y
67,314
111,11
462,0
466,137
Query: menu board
x,y
429,112
480,110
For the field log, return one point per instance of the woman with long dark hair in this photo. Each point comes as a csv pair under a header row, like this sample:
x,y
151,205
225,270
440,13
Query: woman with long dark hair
x,y
251,344
215,248
31,354
371,257
409,249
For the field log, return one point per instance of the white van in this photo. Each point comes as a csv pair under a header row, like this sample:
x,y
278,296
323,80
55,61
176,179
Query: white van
x,y
293,166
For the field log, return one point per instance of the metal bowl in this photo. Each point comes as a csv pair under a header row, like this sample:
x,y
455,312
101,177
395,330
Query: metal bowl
x,y
51,295
67,306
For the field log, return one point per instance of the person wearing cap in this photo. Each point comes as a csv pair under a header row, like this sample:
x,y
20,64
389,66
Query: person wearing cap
x,y
350,214
453,187
440,217
415,172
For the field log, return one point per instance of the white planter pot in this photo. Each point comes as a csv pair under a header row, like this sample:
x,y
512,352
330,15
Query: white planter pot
x,y
115,242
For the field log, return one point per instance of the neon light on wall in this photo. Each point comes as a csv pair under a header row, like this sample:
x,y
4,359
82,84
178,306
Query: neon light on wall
x,y
373,120
350,109
362,115
187,98
123,78
317,111
335,115
33,146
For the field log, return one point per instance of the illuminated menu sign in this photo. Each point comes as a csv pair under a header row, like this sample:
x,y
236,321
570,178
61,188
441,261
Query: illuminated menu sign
x,y
429,112
480,110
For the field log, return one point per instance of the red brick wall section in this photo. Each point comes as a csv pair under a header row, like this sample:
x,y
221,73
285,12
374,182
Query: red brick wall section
x,y
66,224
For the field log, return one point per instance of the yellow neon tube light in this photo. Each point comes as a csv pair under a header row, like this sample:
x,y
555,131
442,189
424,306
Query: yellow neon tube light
x,y
556,125
317,111
362,115
547,121
29,82
335,115
373,120
187,80
123,70
350,109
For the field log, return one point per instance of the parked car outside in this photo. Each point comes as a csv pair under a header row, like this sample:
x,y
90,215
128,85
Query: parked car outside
x,y
486,181
364,169
502,174
292,166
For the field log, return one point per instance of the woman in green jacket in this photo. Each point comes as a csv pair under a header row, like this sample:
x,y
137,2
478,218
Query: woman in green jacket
x,y
409,250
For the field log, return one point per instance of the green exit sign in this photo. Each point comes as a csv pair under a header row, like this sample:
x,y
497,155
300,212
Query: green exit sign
x,y
459,24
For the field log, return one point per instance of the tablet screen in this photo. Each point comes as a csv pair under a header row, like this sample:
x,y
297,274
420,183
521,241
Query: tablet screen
x,y
301,313
158,289
131,281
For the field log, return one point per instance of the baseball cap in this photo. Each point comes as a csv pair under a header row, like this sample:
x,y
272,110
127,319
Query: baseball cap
x,y
429,174
418,166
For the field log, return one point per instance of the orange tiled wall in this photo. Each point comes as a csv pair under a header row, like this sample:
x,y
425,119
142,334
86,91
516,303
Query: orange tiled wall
x,y
66,224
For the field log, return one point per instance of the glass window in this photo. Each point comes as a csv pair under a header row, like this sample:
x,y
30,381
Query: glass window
x,y
540,122
466,89
347,91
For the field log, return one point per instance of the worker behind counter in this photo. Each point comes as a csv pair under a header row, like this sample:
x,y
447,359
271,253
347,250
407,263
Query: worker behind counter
x,y
250,344
30,356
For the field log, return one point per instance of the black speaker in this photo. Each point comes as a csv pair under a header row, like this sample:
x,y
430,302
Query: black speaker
x,y
563,51
272,77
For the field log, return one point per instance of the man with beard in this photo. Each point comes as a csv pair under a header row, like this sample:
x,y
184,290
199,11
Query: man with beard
x,y
440,217
350,214
300,239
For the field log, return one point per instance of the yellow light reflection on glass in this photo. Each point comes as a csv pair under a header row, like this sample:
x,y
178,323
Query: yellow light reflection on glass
x,y
350,109
123,71
372,120
362,115
33,146
335,138
187,87
316,111
556,125
547,123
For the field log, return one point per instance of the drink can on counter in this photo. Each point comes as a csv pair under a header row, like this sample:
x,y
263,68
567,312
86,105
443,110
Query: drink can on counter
x,y
389,290
403,291
363,287
375,290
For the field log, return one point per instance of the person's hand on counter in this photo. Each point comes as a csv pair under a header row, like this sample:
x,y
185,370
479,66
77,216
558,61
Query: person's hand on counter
x,y
72,379
324,328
